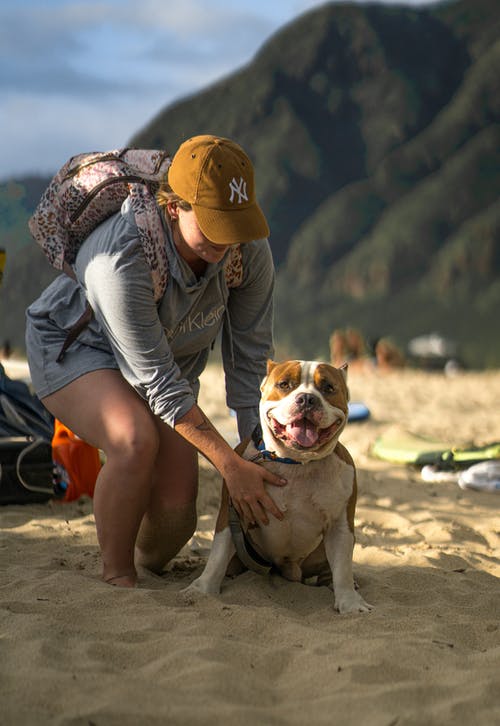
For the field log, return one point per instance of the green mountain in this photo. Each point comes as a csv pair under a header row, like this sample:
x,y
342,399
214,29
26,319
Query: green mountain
x,y
27,271
375,135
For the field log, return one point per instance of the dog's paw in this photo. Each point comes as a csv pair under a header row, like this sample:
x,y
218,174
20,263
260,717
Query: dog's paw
x,y
203,586
350,601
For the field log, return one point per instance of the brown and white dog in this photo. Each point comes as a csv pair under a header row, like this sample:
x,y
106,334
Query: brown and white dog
x,y
303,411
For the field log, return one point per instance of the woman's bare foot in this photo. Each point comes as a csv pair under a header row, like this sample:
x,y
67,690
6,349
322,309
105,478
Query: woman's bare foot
x,y
122,581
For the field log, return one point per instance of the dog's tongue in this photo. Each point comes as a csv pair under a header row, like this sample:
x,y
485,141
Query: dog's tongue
x,y
303,433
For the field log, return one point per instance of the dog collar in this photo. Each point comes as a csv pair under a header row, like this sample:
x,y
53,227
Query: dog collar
x,y
272,456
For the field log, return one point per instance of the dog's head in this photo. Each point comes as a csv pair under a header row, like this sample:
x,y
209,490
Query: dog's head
x,y
303,408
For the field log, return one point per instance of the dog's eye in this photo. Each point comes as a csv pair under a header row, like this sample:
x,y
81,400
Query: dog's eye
x,y
327,387
285,385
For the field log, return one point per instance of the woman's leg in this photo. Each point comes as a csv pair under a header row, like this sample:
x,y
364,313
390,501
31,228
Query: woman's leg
x,y
103,409
170,518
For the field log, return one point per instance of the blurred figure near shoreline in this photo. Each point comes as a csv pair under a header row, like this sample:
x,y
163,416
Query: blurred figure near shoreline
x,y
348,346
388,356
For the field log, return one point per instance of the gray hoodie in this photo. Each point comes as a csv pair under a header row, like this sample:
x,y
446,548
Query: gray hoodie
x,y
161,349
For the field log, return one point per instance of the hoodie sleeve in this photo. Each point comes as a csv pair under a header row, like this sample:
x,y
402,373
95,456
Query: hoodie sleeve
x,y
118,286
247,339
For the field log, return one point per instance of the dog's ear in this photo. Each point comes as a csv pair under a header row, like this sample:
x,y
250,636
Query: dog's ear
x,y
343,369
270,365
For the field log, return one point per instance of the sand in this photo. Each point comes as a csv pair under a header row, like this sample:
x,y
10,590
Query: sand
x,y
76,651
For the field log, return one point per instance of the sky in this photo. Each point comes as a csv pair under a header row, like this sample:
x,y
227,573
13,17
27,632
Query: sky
x,y
86,75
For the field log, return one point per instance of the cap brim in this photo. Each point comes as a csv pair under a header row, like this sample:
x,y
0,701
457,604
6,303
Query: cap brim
x,y
233,226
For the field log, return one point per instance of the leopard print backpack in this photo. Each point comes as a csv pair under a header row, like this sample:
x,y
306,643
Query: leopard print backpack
x,y
91,187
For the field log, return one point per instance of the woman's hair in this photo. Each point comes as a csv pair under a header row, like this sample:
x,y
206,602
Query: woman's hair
x,y
165,196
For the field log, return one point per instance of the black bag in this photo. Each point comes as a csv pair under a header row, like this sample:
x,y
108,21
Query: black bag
x,y
26,470
27,473
22,413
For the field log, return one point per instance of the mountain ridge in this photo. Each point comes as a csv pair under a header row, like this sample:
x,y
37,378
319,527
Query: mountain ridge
x,y
374,133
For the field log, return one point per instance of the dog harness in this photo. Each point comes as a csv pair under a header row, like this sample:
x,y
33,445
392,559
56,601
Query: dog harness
x,y
244,548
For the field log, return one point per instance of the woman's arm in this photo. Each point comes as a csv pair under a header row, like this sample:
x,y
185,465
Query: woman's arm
x,y
248,342
112,269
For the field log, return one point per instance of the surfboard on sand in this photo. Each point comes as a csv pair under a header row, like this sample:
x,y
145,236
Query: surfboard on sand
x,y
401,447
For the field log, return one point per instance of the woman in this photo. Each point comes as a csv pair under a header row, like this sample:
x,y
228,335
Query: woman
x,y
128,384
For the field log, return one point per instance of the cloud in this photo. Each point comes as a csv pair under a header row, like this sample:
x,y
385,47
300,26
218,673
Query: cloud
x,y
88,75
81,47
54,131
77,75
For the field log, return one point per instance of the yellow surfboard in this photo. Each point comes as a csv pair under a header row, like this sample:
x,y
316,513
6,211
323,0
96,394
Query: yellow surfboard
x,y
401,447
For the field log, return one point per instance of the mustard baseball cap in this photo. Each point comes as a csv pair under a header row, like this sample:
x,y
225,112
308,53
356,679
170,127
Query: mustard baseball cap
x,y
216,177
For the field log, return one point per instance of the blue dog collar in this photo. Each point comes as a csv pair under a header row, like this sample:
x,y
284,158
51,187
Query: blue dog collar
x,y
272,456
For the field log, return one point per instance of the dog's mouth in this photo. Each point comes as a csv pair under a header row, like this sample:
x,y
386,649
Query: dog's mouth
x,y
303,433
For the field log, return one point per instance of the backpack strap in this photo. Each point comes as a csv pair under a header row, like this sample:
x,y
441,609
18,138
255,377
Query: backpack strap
x,y
233,269
75,331
151,235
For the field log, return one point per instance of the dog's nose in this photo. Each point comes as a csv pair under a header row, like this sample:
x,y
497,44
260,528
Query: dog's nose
x,y
306,401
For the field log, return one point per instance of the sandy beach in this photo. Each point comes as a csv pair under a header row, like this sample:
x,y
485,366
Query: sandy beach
x,y
76,651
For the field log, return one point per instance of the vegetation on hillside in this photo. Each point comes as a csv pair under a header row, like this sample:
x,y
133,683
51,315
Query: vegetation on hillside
x,y
375,133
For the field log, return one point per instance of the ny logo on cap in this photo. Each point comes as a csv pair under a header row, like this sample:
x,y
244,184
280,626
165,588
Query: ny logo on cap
x,y
239,188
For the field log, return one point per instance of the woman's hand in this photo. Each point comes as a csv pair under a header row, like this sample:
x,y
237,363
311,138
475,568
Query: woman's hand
x,y
245,483
244,480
